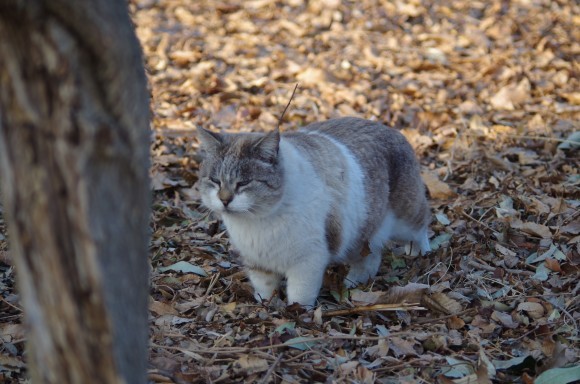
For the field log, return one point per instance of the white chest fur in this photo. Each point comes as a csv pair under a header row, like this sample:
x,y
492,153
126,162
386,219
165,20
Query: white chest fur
x,y
295,227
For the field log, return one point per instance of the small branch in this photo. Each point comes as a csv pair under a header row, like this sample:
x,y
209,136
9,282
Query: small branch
x,y
477,221
490,268
271,369
527,137
541,138
376,307
11,305
446,317
234,350
287,105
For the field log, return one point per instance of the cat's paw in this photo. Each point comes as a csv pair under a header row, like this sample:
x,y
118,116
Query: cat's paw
x,y
303,285
264,283
356,278
363,269
307,302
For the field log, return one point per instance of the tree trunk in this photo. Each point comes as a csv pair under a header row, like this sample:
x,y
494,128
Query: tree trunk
x,y
74,156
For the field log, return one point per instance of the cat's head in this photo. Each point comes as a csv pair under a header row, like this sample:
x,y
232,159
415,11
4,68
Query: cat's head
x,y
241,174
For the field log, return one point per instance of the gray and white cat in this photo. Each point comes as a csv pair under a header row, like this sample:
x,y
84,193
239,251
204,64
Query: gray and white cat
x,y
334,191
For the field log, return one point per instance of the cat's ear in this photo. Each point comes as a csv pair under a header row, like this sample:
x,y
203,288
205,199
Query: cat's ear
x,y
210,141
268,146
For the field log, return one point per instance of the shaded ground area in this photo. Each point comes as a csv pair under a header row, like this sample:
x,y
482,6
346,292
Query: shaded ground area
x,y
487,93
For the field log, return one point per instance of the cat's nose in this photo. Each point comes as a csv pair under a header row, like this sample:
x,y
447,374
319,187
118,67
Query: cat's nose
x,y
225,196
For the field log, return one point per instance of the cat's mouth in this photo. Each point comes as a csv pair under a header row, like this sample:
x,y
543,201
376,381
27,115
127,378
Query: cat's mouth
x,y
232,211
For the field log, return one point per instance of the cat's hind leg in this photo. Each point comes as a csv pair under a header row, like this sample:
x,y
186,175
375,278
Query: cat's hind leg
x,y
364,265
418,244
422,241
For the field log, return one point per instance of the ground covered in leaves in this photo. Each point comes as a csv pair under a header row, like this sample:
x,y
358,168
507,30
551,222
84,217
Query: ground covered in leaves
x,y
488,94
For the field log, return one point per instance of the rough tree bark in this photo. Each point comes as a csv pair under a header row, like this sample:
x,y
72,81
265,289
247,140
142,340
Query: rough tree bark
x,y
74,147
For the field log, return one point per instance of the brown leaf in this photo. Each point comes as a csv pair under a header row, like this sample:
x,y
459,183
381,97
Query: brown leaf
x,y
410,293
553,265
504,251
532,228
505,319
401,347
379,350
161,308
250,364
10,332
441,302
437,188
485,326
348,367
534,310
365,297
572,228
11,361
416,139
512,95
312,76
485,369
455,322
165,363
365,375
558,358
572,97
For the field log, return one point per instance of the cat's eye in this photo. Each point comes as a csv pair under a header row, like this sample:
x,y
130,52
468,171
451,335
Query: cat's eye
x,y
241,184
215,181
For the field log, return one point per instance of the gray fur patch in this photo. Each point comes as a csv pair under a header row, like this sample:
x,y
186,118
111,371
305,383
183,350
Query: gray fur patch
x,y
392,174
333,232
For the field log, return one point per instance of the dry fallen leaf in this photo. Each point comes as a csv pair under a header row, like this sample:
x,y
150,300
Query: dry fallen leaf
x,y
455,322
572,97
250,364
365,297
553,265
532,228
401,347
535,310
504,319
437,188
439,301
511,96
410,293
161,308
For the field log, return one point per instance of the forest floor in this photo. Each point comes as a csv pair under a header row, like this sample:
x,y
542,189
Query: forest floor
x,y
488,94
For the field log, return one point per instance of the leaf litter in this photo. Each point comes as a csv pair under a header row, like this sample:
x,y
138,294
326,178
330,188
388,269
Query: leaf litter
x,y
486,92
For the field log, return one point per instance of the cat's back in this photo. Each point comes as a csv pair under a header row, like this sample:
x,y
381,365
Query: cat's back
x,y
377,148
364,138
391,172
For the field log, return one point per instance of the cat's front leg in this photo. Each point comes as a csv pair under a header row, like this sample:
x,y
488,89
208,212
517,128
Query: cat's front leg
x,y
304,282
264,283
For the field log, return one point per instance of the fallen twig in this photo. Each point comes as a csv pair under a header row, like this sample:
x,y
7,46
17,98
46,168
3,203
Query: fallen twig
x,y
234,350
477,221
271,369
375,307
490,268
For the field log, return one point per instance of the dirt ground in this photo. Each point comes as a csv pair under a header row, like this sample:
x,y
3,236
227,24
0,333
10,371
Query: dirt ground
x,y
488,94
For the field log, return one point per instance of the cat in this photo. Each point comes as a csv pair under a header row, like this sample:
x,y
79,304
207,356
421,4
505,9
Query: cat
x,y
333,191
